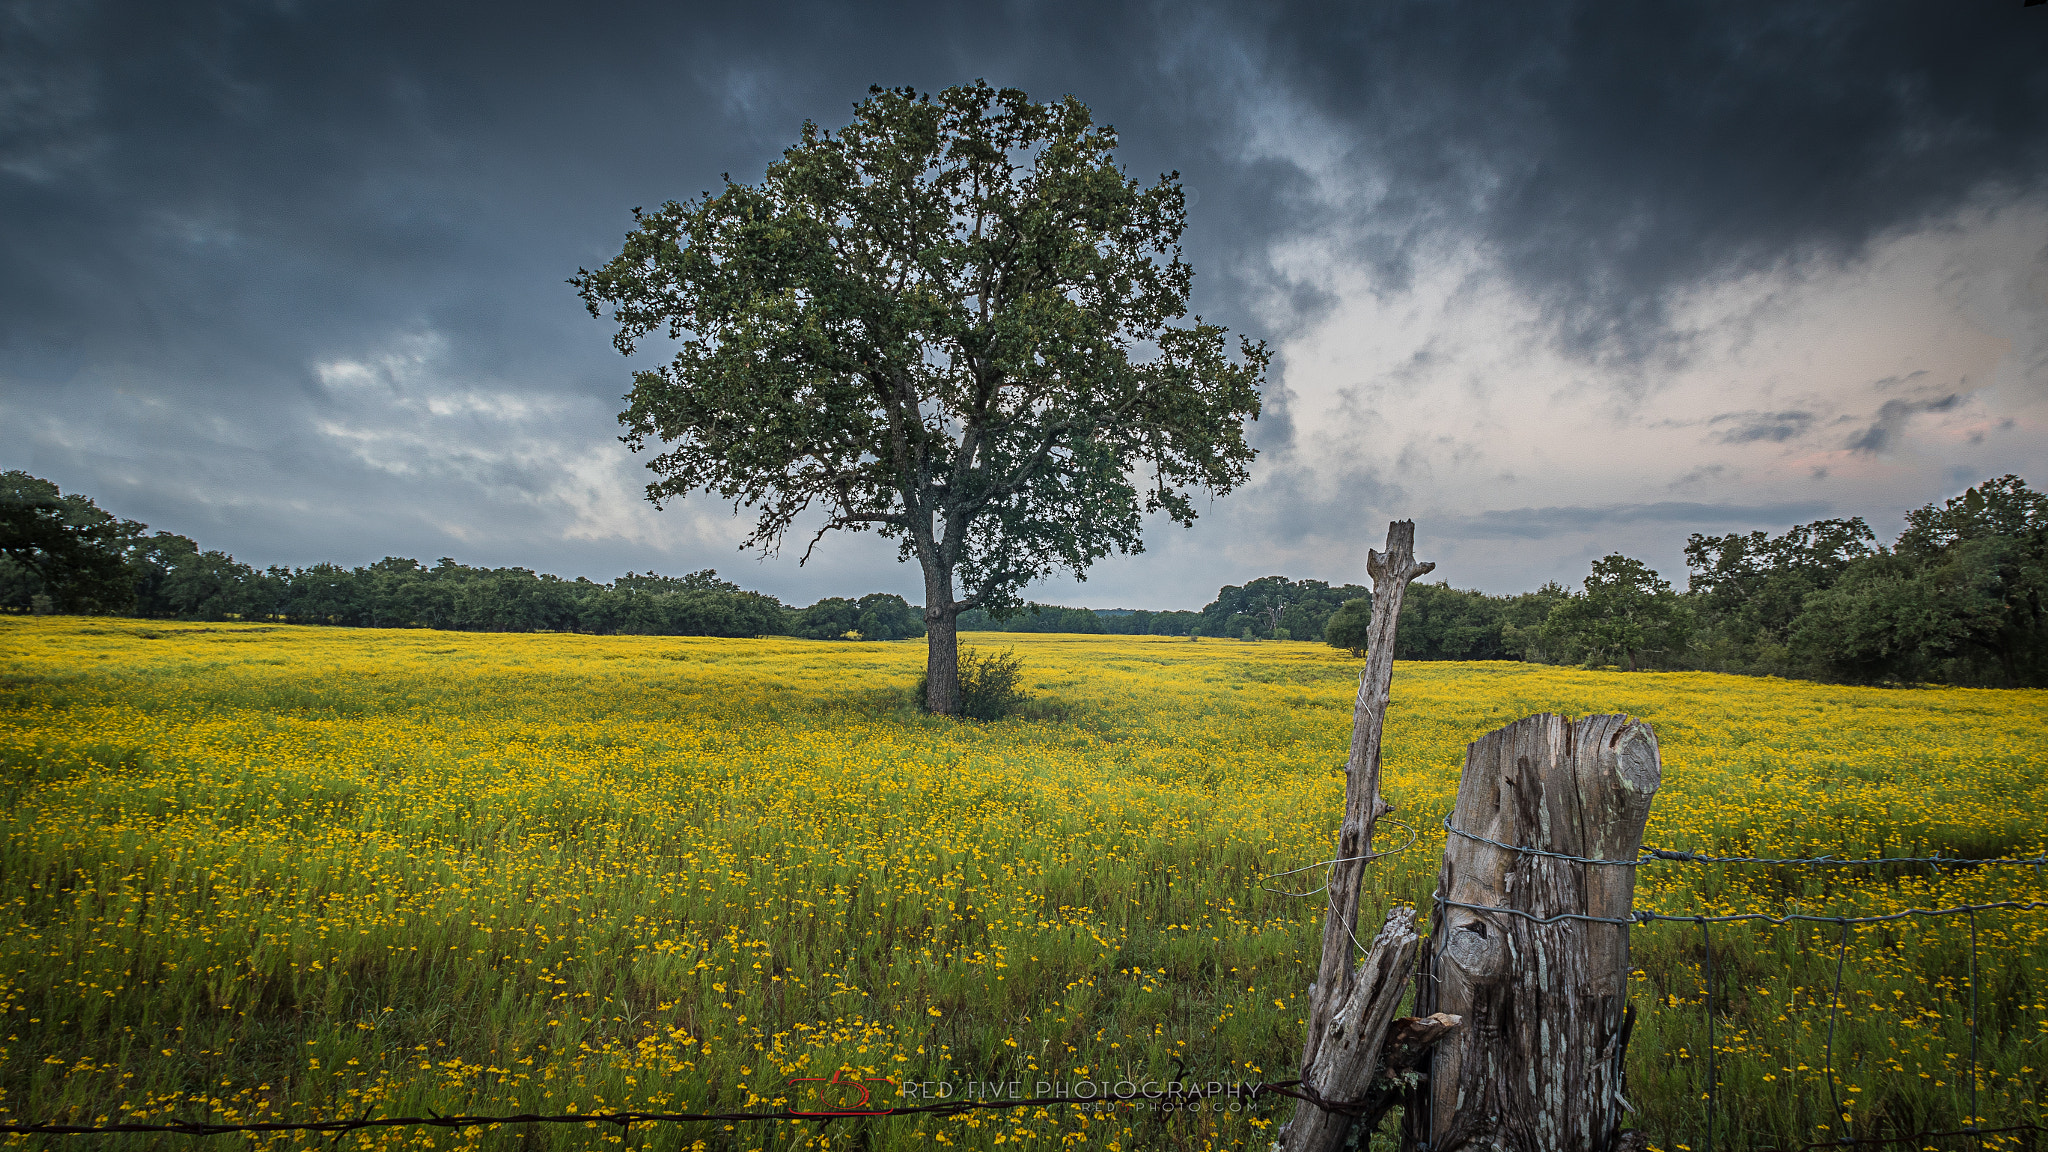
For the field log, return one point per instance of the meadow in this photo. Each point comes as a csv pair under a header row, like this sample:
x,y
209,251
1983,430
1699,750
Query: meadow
x,y
258,873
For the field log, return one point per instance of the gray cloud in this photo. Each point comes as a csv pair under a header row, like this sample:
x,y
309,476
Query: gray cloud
x,y
1537,523
1753,426
1892,416
1700,474
1611,155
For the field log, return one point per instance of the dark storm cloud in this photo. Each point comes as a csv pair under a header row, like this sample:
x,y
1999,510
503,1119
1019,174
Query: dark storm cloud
x,y
203,204
1748,427
367,158
1892,417
1610,153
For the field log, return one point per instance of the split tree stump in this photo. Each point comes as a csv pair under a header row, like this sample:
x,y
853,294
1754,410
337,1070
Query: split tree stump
x,y
1538,1064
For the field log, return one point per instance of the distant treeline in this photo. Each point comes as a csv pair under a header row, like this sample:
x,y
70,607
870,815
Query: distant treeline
x,y
1961,597
62,553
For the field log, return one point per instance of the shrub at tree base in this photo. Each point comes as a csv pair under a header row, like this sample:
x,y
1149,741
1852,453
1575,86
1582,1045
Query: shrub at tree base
x,y
988,684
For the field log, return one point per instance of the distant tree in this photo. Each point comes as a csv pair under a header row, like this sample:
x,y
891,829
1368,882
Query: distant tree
x,y
1303,607
1749,590
957,323
1174,624
887,616
2004,508
1962,597
704,581
64,548
151,561
1033,617
1347,627
1627,613
715,612
829,619
1121,622
324,594
1439,622
1523,618
1880,621
212,586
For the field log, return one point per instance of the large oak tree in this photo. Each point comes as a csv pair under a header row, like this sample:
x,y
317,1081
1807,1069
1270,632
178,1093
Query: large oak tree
x,y
956,322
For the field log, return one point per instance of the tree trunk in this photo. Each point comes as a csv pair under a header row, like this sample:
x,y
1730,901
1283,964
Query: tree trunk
x,y
1539,1063
942,645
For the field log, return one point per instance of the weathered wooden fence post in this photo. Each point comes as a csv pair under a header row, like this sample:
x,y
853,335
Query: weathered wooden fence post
x,y
1531,948
1351,1008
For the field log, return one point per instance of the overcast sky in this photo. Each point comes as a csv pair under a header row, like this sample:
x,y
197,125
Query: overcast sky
x,y
1551,279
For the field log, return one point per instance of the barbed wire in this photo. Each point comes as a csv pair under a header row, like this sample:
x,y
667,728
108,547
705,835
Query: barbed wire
x,y
1835,1002
1687,856
1294,1089
1412,834
1639,917
625,1120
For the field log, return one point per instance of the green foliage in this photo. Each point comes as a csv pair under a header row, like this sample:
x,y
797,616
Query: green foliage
x,y
1627,614
1036,617
63,554
62,547
1439,622
1255,610
2004,508
989,683
698,611
704,581
876,616
1348,626
1961,597
829,619
956,322
1749,590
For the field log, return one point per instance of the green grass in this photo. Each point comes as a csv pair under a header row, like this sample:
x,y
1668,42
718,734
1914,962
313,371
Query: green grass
x,y
505,873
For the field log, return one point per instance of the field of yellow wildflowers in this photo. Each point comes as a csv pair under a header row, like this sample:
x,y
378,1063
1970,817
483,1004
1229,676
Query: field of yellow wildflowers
x,y
259,873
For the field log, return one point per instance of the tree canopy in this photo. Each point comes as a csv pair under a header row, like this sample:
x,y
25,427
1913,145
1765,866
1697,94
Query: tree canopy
x,y
956,322
63,548
1626,613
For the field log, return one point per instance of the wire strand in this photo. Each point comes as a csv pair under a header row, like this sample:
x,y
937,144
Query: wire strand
x,y
1412,834
1687,856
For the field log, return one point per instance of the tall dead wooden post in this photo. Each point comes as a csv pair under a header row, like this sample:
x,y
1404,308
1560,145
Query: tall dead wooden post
x,y
1350,1008
1539,1061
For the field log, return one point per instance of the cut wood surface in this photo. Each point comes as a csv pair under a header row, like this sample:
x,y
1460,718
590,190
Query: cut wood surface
x,y
1538,1064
